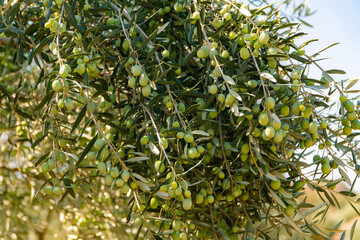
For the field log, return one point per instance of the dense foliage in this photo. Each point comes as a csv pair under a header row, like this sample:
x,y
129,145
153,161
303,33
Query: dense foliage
x,y
159,119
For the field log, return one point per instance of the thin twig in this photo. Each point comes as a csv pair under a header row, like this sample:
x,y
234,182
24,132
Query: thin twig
x,y
159,139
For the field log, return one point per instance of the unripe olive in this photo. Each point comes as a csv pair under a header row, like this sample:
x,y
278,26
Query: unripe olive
x,y
270,132
272,63
296,108
102,167
45,167
196,15
189,138
285,110
69,104
263,119
264,38
99,144
119,182
229,100
347,130
349,106
144,140
108,180
221,98
143,80
132,82
278,137
165,53
289,210
199,198
306,113
178,7
210,199
343,98
192,153
351,116
244,53
56,85
270,102
213,89
57,191
59,2
146,91
276,124
125,175
252,83
313,127
295,75
48,190
114,172
218,23
136,70
221,175
187,204
275,185
325,168
154,203
159,166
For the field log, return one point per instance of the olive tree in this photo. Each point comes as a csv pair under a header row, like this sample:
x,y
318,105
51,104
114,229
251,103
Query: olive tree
x,y
169,119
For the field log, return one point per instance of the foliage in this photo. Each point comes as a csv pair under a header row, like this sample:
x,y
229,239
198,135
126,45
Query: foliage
x,y
159,119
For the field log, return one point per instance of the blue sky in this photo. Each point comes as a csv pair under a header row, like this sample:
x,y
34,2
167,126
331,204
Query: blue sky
x,y
336,21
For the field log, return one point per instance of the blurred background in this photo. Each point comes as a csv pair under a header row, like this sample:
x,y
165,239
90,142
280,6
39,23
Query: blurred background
x,y
336,21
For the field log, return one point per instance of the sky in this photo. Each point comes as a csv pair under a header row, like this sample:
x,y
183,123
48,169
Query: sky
x,y
336,21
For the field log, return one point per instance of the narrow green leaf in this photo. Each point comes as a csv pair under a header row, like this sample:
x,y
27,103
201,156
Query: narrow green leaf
x,y
268,76
69,188
137,159
37,192
235,95
6,92
23,114
21,54
335,71
277,199
163,27
86,150
40,47
138,232
41,158
343,173
352,83
229,80
348,193
300,59
292,223
334,44
352,231
39,140
72,19
45,100
79,118
154,148
316,208
244,11
199,132
329,198
354,208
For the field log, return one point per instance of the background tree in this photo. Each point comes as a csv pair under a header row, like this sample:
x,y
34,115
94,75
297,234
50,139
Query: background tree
x,y
159,119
